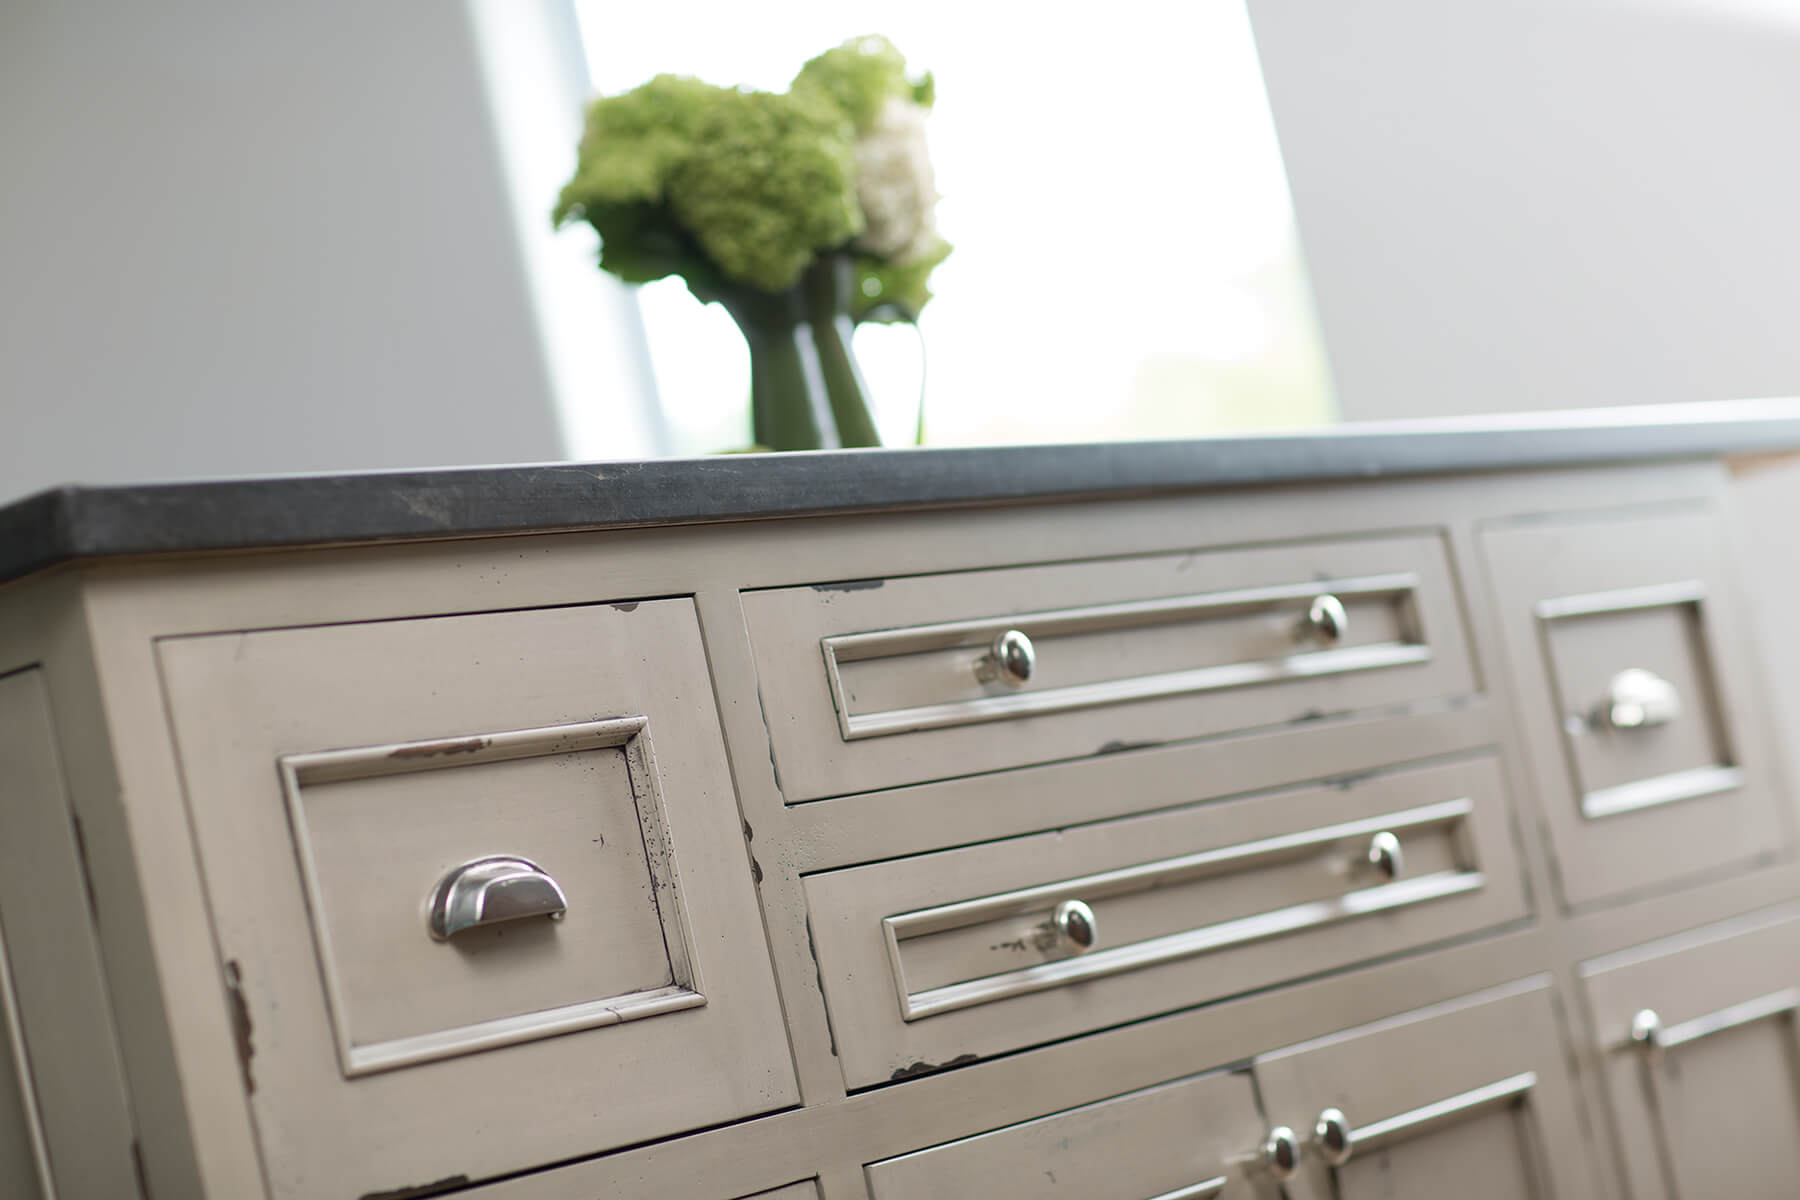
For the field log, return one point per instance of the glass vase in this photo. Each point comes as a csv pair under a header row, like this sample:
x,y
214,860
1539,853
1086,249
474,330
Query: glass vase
x,y
806,391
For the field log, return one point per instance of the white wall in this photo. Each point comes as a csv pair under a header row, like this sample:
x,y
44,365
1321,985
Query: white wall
x,y
1533,204
247,237
1521,204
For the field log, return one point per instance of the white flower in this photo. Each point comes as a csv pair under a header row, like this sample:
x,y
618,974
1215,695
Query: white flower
x,y
895,184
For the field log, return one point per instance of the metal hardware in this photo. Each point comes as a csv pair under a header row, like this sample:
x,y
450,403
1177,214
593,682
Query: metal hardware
x,y
1071,928
1281,1153
1649,1034
1639,699
1326,620
1334,1137
1332,840
1204,1190
491,890
1011,660
1457,1108
1386,855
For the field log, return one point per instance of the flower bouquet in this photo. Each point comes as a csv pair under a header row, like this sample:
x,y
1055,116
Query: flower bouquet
x,y
802,212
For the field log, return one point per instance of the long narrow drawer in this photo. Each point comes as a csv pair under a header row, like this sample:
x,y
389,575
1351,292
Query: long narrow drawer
x,y
1187,1140
952,956
896,681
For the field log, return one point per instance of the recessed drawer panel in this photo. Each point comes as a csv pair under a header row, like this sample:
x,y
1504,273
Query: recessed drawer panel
x,y
1623,638
875,684
980,950
471,876
1181,1141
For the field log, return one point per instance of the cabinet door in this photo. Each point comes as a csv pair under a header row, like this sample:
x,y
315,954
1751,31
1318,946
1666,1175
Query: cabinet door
x,y
1697,1035
1469,1099
1185,1140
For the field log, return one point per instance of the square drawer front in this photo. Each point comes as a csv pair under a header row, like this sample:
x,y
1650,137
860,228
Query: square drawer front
x,y
1626,651
1470,1098
1186,1140
1695,1035
479,887
951,956
871,685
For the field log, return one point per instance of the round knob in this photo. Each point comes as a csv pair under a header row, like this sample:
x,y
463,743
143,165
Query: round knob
x,y
1074,925
1386,856
1646,1029
1333,1136
1326,620
1281,1153
1011,659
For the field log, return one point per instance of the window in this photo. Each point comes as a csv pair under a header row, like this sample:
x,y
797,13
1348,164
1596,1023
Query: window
x,y
1126,262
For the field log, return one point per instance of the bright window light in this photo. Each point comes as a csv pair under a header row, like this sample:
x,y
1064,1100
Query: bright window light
x,y
1126,264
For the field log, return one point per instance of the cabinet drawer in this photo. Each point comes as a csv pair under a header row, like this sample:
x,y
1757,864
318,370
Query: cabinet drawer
x,y
1625,646
1696,1036
1471,1098
896,681
469,873
976,951
576,1183
1181,1141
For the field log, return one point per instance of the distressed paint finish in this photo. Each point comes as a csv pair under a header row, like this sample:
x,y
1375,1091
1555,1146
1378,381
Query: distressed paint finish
x,y
183,807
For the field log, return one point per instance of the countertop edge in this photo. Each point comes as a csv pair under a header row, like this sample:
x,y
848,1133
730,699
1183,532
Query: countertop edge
x,y
78,522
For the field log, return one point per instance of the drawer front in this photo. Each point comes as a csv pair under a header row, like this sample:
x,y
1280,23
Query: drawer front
x,y
1696,1037
976,951
1181,1141
469,874
1627,654
576,1183
903,680
1468,1099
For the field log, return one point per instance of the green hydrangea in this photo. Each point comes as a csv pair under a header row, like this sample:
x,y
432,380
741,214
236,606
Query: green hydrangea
x,y
729,186
862,75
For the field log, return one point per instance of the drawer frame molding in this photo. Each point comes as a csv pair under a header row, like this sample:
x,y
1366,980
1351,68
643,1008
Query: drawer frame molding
x,y
854,647
1663,789
632,735
1504,1093
1313,914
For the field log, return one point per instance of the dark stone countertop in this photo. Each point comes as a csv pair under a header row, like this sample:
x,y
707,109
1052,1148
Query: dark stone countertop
x,y
80,522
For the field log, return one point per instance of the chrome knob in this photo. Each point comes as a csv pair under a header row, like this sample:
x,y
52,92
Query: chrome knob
x,y
1333,1136
1640,699
1646,1029
1074,925
1280,1153
1326,621
488,891
1386,856
1011,660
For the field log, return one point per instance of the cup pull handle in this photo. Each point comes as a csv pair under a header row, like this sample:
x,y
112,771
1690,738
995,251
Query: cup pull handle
x,y
1640,699
489,891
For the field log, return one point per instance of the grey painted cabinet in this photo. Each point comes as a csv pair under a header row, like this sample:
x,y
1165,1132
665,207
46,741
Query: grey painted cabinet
x,y
1355,836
